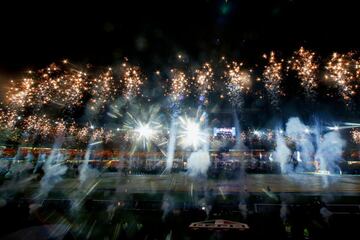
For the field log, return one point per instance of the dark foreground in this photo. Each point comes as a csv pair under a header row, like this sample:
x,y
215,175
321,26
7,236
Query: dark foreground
x,y
162,207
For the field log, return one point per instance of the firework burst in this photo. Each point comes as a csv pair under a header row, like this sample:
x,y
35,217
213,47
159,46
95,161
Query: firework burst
x,y
192,132
64,87
131,80
355,134
38,125
82,134
60,128
238,82
8,119
341,69
179,87
97,134
272,77
61,85
203,81
143,133
303,62
20,94
103,90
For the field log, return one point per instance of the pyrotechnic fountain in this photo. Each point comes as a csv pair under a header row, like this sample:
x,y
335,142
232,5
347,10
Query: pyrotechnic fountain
x,y
238,83
178,91
194,131
29,105
101,110
194,135
179,120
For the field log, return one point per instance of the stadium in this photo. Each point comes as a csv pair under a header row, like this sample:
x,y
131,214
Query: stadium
x,y
219,122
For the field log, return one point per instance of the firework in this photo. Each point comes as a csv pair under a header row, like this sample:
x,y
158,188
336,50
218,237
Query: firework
x,y
72,89
357,68
38,125
131,80
72,129
303,62
54,84
341,69
60,127
238,82
145,133
272,77
83,134
62,87
8,119
355,134
20,94
140,132
192,134
103,90
179,85
97,134
203,81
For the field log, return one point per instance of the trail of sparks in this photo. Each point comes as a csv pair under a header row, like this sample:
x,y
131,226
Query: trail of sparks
x,y
103,90
272,77
304,63
43,102
342,70
132,80
179,85
355,134
203,81
238,82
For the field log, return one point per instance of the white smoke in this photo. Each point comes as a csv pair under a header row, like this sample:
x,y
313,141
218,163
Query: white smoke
x,y
54,168
300,134
326,149
171,146
329,151
282,152
239,142
198,163
40,161
86,173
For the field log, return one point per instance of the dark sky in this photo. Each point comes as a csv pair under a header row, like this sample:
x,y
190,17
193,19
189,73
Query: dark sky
x,y
152,32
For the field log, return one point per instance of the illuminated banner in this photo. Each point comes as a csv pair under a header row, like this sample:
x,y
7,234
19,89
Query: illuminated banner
x,y
224,131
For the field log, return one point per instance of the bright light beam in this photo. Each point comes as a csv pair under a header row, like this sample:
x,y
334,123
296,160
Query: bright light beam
x,y
145,131
191,133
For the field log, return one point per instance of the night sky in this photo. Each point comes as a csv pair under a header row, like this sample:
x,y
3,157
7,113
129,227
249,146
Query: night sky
x,y
153,32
